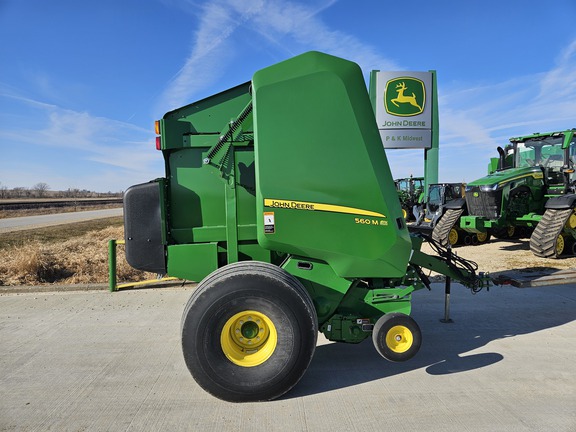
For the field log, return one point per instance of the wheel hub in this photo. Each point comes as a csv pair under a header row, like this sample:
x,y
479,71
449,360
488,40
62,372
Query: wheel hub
x,y
399,339
248,338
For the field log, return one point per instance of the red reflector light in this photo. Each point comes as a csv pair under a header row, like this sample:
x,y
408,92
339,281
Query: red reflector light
x,y
158,143
157,127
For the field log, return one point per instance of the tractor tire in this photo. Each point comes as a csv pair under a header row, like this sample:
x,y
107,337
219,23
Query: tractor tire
x,y
249,332
483,237
443,229
396,337
504,233
546,240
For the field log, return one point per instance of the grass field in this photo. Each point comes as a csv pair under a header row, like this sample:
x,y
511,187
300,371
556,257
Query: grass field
x,y
66,254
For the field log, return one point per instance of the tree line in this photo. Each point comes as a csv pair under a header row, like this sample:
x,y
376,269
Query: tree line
x,y
42,190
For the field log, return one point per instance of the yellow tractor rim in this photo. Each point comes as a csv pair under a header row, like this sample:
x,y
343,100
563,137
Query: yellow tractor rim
x,y
404,214
560,244
482,236
571,223
453,236
399,339
510,231
248,338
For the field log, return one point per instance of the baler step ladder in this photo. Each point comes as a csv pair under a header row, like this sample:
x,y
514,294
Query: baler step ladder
x,y
112,283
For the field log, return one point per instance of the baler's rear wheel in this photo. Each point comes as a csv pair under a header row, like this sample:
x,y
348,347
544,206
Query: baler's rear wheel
x,y
249,332
396,337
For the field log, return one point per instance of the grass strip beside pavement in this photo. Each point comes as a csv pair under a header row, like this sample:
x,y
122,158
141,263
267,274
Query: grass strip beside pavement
x,y
65,254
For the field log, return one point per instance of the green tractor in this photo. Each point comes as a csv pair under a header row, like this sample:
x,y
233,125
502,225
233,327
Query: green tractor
x,y
278,199
410,191
530,191
440,198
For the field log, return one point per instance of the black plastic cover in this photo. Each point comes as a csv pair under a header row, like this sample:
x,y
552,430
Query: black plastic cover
x,y
561,202
143,228
456,204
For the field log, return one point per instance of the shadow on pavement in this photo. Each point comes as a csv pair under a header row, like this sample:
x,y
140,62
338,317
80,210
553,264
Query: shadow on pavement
x,y
479,320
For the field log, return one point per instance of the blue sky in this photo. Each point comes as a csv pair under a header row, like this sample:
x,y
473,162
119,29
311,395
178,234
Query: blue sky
x,y
81,83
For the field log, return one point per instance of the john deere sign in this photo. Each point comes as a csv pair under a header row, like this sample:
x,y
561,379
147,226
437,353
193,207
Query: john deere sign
x,y
404,109
405,97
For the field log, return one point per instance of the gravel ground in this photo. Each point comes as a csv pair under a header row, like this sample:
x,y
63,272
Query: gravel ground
x,y
508,255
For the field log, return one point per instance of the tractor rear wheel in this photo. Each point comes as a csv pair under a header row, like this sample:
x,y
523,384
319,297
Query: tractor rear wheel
x,y
443,229
249,332
547,240
396,337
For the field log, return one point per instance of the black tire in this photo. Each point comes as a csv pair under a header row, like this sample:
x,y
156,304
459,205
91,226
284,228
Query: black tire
x,y
396,337
443,227
483,237
223,301
546,241
504,233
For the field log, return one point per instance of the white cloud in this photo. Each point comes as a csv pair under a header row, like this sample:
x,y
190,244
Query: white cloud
x,y
290,27
299,23
475,120
74,140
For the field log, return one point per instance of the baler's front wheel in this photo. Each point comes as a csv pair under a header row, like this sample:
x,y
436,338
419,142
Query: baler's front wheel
x,y
249,332
396,337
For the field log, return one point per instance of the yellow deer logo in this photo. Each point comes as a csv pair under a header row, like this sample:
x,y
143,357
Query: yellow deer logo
x,y
401,98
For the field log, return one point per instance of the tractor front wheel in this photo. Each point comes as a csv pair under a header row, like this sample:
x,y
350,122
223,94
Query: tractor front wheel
x,y
396,337
249,332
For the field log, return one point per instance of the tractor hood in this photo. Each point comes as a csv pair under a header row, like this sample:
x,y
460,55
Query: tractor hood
x,y
499,179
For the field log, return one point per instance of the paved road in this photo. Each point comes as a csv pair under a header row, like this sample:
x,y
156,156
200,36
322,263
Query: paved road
x,y
112,361
30,222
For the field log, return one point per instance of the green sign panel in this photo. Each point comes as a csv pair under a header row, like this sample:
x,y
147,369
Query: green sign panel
x,y
405,97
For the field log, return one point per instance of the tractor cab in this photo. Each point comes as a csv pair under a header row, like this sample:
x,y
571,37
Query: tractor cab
x,y
553,154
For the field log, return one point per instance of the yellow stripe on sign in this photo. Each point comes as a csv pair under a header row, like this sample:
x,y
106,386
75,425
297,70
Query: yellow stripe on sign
x,y
302,205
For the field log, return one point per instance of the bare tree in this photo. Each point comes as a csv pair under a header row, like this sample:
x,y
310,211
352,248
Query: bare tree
x,y
40,189
18,192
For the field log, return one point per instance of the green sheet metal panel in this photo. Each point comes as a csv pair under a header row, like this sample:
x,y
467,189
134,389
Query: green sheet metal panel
x,y
192,261
324,188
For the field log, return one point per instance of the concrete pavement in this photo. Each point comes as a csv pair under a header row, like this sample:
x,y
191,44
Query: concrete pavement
x,y
112,361
30,222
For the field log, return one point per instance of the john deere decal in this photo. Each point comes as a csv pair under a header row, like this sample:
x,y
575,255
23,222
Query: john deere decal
x,y
405,96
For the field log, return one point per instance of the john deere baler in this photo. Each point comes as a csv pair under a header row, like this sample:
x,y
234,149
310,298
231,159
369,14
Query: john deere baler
x,y
278,199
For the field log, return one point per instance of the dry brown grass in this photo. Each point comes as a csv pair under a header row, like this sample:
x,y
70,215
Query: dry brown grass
x,y
76,260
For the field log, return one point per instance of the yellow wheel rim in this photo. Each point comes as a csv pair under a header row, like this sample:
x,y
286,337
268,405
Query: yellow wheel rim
x,y
399,339
560,244
482,236
404,214
571,223
510,231
453,236
248,338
